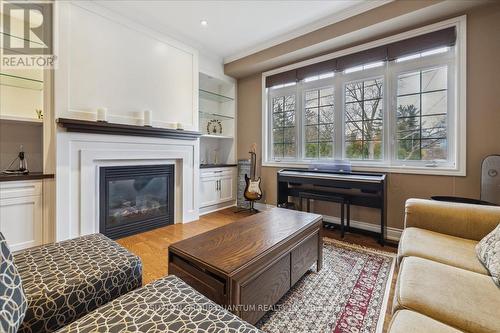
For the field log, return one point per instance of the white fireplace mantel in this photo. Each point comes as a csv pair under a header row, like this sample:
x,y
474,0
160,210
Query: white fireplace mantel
x,y
79,157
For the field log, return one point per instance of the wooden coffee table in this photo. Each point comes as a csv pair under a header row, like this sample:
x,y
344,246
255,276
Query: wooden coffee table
x,y
248,265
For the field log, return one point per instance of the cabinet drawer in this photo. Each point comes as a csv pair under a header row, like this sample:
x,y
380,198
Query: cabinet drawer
x,y
216,172
18,189
304,256
265,290
200,280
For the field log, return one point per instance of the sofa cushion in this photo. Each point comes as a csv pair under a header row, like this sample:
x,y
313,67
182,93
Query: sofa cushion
x,y
463,299
488,252
405,321
12,299
166,305
450,250
66,280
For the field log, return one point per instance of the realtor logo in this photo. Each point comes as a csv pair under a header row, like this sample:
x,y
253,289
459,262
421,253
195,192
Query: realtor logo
x,y
27,28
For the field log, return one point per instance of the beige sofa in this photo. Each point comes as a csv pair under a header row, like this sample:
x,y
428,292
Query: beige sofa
x,y
442,286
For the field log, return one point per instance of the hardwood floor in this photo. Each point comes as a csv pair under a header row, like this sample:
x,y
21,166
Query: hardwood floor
x,y
152,245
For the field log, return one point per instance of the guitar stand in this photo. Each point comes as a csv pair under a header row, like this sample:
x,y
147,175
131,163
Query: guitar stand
x,y
251,209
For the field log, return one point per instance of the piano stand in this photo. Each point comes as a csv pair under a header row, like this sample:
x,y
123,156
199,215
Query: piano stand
x,y
363,189
342,200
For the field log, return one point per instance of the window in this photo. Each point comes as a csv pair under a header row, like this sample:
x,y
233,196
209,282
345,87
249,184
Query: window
x,y
284,126
422,115
318,123
363,119
403,112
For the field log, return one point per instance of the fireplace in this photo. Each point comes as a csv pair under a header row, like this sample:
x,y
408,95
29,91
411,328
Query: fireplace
x,y
133,199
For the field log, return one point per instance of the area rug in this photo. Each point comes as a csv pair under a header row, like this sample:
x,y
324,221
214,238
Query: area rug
x,y
349,294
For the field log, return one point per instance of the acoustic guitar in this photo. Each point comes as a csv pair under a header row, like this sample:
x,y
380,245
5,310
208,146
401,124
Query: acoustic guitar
x,y
253,191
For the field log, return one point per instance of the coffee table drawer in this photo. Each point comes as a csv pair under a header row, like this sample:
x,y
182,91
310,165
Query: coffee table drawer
x,y
199,279
264,291
304,256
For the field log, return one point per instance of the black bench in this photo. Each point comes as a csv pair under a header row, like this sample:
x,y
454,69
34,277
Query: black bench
x,y
342,200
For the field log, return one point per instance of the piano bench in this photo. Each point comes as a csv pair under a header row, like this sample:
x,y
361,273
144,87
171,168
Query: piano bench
x,y
342,200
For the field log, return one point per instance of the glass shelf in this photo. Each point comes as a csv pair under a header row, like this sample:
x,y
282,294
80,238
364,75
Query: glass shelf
x,y
218,116
20,82
41,44
205,94
17,119
214,136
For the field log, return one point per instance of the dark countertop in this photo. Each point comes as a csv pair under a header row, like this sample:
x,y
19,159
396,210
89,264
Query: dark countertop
x,y
29,176
207,166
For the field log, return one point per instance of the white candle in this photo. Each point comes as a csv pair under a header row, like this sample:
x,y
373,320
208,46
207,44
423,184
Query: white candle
x,y
102,114
148,118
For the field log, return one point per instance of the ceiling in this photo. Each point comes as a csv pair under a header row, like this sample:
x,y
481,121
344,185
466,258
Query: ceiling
x,y
236,28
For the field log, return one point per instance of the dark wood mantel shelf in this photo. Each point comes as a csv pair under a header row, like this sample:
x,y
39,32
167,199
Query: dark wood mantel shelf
x,y
86,126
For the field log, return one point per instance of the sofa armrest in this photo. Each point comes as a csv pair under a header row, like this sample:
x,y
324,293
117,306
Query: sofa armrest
x,y
454,219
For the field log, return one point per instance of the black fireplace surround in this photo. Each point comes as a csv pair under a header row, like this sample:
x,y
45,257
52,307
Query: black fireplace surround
x,y
133,199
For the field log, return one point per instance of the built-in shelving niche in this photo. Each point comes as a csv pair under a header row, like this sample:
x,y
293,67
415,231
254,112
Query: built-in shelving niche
x,y
217,103
21,95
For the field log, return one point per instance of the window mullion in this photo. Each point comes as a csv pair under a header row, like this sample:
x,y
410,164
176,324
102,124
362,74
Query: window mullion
x,y
338,109
299,114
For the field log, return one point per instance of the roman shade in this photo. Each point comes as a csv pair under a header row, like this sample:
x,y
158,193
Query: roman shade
x,y
440,38
281,78
364,57
388,52
316,69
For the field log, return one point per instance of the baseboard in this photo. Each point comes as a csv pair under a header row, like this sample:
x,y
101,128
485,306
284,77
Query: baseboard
x,y
217,207
393,234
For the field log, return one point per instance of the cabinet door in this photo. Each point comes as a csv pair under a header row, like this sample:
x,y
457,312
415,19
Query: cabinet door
x,y
226,188
21,221
209,194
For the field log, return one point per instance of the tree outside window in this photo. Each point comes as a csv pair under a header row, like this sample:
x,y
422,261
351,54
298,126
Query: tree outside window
x,y
421,115
363,112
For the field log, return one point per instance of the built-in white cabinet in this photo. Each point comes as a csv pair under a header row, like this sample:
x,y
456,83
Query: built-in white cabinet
x,y
217,110
226,186
209,192
21,216
217,188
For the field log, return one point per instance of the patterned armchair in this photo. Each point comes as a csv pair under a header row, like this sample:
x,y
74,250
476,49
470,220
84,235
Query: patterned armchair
x,y
166,305
66,280
91,284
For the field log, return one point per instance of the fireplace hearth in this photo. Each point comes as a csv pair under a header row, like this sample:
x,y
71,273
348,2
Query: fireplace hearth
x,y
135,199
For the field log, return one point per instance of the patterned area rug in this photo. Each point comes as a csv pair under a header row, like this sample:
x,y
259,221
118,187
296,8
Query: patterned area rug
x,y
349,294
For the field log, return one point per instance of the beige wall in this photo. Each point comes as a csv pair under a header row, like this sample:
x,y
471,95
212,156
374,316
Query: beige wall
x,y
483,124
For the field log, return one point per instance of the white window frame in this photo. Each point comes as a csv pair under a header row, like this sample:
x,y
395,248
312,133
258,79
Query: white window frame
x,y
359,76
311,86
273,93
456,107
420,65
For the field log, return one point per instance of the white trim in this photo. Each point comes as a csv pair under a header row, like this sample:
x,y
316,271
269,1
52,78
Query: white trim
x,y
393,234
337,17
376,168
386,165
63,103
97,9
216,208
79,157
457,21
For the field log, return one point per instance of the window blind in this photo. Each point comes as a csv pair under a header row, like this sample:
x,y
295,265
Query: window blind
x,y
388,52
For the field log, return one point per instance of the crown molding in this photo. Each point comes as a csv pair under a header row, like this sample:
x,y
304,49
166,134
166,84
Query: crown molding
x,y
334,18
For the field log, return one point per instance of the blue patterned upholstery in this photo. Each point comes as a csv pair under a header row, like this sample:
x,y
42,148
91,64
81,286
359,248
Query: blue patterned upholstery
x,y
64,281
12,299
166,305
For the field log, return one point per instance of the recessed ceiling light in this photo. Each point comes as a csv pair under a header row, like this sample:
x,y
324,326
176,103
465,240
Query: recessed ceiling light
x,y
204,23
